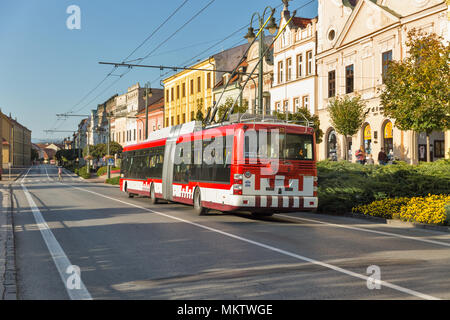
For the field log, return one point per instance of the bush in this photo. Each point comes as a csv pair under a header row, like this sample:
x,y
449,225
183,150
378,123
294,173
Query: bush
x,y
386,208
83,173
114,181
430,209
103,170
344,185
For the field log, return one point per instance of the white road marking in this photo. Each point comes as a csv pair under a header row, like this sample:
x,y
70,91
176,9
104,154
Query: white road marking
x,y
271,248
367,230
59,257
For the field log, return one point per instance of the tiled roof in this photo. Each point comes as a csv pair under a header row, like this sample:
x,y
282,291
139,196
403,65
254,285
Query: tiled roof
x,y
301,22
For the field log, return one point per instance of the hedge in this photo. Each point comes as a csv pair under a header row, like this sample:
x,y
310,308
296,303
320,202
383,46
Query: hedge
x,y
344,185
103,170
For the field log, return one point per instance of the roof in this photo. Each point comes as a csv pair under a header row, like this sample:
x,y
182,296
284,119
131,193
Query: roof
x,y
301,22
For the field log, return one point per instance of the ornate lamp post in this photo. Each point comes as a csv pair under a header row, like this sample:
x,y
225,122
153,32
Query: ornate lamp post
x,y
250,36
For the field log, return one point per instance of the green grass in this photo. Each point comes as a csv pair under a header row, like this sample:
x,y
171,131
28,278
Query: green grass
x,y
114,181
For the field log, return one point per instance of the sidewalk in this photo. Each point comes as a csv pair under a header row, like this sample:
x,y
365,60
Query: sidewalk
x,y
8,287
15,174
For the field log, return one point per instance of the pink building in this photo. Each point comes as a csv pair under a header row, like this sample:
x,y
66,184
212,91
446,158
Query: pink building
x,y
155,119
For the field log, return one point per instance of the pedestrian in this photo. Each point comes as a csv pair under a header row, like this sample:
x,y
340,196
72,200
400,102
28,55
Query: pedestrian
x,y
382,157
59,174
360,156
370,160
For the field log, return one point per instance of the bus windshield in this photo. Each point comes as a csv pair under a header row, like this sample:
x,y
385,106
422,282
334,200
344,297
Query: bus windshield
x,y
264,145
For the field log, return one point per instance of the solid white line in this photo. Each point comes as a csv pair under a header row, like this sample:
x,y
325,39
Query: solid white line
x,y
59,257
367,230
24,176
281,251
46,172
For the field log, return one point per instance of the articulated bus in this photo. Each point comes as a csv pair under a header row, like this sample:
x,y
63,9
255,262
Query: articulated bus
x,y
261,167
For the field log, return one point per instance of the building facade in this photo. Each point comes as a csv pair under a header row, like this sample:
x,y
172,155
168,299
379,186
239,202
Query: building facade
x,y
190,91
356,40
295,77
155,118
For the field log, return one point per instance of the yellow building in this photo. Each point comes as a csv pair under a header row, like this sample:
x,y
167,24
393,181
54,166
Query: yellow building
x,y
7,142
187,92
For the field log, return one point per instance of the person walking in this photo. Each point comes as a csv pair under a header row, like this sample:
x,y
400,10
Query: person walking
x,y
59,174
360,156
382,157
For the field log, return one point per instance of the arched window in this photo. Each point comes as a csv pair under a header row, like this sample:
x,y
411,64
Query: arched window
x,y
332,145
367,139
388,139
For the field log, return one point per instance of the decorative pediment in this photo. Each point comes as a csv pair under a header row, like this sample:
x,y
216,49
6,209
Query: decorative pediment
x,y
366,18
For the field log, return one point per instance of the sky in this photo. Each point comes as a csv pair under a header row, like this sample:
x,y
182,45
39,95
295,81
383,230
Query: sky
x,y
48,69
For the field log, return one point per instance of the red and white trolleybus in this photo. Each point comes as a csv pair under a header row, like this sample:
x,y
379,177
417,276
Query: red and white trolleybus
x,y
258,166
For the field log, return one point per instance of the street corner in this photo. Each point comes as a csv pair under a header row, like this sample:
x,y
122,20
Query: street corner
x,y
8,286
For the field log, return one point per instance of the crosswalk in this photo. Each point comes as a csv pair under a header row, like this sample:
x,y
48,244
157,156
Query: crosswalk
x,y
45,176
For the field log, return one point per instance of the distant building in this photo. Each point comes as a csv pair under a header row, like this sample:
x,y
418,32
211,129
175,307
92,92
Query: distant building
x,y
155,115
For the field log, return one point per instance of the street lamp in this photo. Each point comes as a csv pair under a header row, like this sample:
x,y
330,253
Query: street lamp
x,y
148,92
250,36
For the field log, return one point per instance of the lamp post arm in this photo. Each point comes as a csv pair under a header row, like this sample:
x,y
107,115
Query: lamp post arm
x,y
257,64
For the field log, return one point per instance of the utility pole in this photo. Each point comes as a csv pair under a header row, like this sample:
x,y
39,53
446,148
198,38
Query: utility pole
x,y
109,151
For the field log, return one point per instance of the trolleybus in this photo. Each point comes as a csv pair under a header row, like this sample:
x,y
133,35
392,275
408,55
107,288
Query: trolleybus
x,y
257,166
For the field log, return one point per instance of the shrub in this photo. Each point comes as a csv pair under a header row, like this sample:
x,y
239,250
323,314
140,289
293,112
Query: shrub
x,y
430,209
114,181
386,208
344,185
103,170
83,173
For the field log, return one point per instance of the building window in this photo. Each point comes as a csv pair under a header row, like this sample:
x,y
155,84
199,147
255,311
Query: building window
x,y
332,145
309,65
286,106
134,135
199,84
439,148
192,116
184,117
208,81
386,58
305,102
349,80
167,122
280,72
192,86
331,84
178,92
172,95
171,121
167,95
300,65
278,106
183,90
289,69
296,104
178,119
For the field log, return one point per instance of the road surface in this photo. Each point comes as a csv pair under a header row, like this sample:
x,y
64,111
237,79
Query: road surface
x,y
129,249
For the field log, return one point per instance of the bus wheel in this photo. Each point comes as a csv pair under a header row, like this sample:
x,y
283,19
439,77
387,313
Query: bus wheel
x,y
198,203
153,199
130,195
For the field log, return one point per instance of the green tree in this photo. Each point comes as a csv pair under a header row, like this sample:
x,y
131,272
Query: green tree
x,y
300,117
199,115
347,115
241,108
417,91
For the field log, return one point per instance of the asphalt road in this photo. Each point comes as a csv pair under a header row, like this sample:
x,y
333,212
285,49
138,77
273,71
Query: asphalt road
x,y
129,249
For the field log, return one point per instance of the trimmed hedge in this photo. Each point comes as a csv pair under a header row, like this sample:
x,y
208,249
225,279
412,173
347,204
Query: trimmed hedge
x,y
83,173
114,181
344,185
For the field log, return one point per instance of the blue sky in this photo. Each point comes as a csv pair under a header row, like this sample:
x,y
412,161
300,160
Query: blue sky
x,y
46,69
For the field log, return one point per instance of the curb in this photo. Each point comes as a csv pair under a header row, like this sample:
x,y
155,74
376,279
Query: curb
x,y
9,279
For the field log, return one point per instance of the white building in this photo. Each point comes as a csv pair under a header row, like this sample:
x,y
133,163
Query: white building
x,y
295,77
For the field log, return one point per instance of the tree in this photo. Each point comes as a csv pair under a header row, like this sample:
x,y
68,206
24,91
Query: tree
x,y
299,118
417,91
241,108
199,115
347,115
